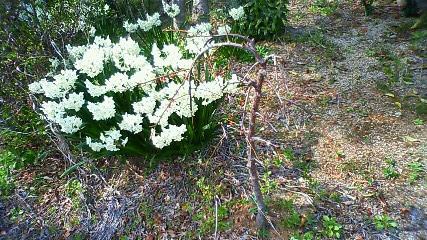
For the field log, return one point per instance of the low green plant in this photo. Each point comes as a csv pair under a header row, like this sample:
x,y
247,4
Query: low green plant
x,y
289,154
416,171
146,211
383,222
324,7
418,122
74,189
277,162
290,218
208,191
390,171
208,218
15,214
303,236
331,228
268,185
263,233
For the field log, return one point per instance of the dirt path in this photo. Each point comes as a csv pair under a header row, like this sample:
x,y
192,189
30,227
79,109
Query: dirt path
x,y
359,133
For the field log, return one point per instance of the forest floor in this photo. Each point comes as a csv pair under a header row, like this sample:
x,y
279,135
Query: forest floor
x,y
342,135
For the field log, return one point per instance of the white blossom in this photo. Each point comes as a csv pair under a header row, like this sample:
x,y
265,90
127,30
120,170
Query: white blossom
x,y
169,134
162,114
150,22
224,30
210,91
59,87
103,42
118,82
145,106
95,146
172,10
54,63
124,54
92,31
92,61
232,85
95,90
66,80
76,52
131,123
130,27
197,37
109,139
35,87
74,101
161,95
70,124
237,13
172,56
53,110
102,110
144,79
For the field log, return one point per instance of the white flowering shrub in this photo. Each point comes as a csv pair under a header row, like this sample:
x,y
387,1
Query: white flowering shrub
x,y
135,94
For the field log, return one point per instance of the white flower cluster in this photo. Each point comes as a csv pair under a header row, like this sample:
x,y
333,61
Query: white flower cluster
x,y
169,134
108,140
224,30
172,10
197,37
146,25
102,110
237,13
107,71
170,56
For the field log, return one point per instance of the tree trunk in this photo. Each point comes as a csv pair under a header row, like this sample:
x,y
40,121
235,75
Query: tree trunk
x,y
260,218
200,11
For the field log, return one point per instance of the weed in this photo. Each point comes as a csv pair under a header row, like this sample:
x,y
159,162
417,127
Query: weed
x,y
303,236
340,154
208,217
384,222
289,154
263,233
324,7
74,189
147,211
16,214
416,170
418,38
290,219
208,191
335,197
418,122
317,189
268,185
390,171
331,228
277,162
